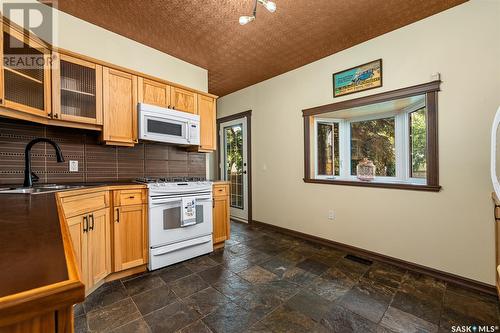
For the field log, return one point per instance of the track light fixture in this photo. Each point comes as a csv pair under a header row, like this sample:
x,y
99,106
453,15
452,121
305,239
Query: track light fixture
x,y
270,6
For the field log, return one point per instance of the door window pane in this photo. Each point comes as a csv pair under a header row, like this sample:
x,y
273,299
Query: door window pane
x,y
374,140
418,144
234,163
328,149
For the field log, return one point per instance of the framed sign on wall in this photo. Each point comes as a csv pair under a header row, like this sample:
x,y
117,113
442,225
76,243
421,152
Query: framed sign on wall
x,y
359,78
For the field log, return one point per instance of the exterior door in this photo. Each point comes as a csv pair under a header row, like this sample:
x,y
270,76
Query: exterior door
x,y
234,162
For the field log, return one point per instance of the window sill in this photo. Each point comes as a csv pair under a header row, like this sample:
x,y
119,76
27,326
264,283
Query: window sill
x,y
399,186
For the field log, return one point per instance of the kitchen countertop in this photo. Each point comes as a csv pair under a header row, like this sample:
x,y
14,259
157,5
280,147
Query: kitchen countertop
x,y
31,243
31,250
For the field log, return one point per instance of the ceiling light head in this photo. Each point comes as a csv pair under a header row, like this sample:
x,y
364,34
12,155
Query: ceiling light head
x,y
270,6
246,19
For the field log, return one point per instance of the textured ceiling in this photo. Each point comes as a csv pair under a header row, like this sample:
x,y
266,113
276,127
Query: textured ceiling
x,y
206,32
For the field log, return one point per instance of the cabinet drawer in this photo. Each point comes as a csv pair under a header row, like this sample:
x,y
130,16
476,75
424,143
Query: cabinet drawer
x,y
130,197
84,203
221,190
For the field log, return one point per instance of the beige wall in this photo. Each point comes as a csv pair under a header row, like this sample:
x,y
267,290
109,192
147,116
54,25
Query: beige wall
x,y
451,230
90,40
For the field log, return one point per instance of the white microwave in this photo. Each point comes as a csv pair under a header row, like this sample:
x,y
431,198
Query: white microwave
x,y
168,126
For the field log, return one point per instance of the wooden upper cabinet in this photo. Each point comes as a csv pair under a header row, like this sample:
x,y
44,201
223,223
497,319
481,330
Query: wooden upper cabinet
x,y
119,107
184,100
153,92
76,90
208,129
26,73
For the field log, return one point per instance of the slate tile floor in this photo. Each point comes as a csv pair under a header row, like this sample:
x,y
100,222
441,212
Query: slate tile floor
x,y
264,281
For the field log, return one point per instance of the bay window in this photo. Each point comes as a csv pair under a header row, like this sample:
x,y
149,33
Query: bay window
x,y
396,138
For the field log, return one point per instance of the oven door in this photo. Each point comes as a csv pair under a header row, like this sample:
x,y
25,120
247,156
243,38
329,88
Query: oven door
x,y
165,219
163,129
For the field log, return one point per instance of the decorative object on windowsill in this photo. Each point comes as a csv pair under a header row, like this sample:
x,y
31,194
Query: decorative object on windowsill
x,y
270,6
359,78
365,170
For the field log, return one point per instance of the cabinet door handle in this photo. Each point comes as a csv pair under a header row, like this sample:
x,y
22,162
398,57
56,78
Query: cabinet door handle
x,y
213,202
131,197
118,215
85,224
91,217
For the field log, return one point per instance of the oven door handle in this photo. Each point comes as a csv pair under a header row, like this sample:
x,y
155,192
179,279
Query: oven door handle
x,y
182,245
173,200
187,224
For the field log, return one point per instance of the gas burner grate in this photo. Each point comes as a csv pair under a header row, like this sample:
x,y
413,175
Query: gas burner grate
x,y
148,180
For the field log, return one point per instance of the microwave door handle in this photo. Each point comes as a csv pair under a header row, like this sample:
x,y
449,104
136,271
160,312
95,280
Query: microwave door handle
x,y
188,129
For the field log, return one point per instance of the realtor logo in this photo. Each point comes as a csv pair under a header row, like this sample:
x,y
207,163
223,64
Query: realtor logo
x,y
475,328
37,18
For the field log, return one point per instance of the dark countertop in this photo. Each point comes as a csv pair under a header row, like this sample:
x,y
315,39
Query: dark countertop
x,y
31,248
31,245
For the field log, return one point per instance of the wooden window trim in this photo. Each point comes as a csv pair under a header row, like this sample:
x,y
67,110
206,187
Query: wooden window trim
x,y
430,90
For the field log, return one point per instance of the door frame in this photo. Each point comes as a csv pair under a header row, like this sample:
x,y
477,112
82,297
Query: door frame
x,y
248,116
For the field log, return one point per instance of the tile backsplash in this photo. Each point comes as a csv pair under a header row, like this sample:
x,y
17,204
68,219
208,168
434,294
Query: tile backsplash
x,y
96,162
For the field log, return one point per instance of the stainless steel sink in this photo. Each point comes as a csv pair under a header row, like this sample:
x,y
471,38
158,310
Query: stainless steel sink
x,y
44,188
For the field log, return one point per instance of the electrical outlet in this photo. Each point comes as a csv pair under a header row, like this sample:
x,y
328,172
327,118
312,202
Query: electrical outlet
x,y
331,214
73,166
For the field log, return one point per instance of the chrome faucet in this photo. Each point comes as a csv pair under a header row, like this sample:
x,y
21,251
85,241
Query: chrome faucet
x,y
28,174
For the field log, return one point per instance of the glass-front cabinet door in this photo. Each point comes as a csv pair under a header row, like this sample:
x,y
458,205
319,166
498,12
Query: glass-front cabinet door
x,y
26,74
77,90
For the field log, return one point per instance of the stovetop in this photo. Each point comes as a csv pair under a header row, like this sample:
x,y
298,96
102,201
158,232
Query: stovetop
x,y
149,180
175,185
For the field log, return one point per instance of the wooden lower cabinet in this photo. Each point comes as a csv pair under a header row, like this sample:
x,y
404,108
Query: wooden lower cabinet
x,y
99,246
221,226
130,236
91,237
77,230
108,235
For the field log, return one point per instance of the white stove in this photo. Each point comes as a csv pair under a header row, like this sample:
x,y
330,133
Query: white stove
x,y
180,219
